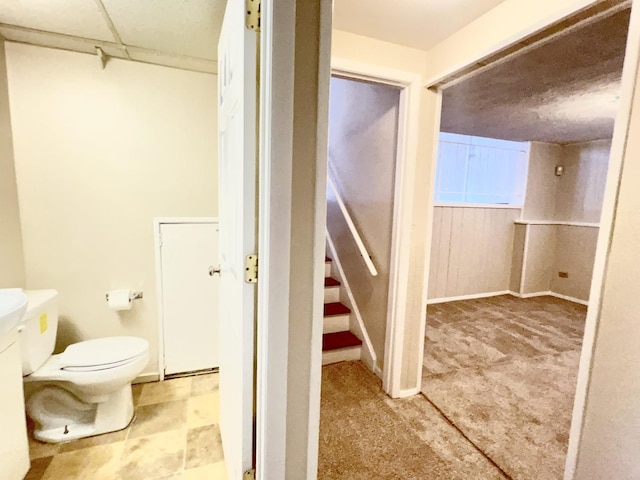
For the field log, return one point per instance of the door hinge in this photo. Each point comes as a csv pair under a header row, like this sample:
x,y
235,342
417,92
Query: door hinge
x,y
251,269
249,474
160,239
252,17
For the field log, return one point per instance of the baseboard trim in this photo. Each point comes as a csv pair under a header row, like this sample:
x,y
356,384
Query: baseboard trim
x,y
377,370
570,299
409,392
474,296
146,378
532,294
551,294
467,297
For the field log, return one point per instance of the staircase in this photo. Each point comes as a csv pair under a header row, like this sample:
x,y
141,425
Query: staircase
x,y
338,343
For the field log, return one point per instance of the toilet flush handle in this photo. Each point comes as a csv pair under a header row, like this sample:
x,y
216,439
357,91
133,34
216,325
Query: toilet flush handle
x,y
214,270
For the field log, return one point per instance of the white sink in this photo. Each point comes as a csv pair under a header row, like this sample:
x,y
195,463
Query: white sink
x,y
13,303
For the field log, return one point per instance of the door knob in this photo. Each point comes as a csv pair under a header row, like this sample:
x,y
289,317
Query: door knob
x,y
214,270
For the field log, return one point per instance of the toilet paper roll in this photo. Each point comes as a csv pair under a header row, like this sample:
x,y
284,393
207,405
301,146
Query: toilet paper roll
x,y
120,300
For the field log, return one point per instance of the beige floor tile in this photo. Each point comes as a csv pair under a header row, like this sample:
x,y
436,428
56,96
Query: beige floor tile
x,y
166,391
202,384
203,410
39,449
159,417
215,471
153,457
95,463
136,391
204,446
38,468
104,439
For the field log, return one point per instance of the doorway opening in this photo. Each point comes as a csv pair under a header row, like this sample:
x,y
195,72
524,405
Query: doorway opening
x,y
515,230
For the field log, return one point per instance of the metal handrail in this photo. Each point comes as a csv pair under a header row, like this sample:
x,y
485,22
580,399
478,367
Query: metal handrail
x,y
352,228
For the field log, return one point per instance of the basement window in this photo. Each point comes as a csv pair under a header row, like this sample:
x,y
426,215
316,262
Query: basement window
x,y
480,171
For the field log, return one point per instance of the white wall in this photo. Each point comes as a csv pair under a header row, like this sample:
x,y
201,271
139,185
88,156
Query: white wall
x,y
580,189
542,184
11,255
363,126
99,154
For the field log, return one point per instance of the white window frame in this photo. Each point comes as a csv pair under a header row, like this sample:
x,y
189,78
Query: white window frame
x,y
472,141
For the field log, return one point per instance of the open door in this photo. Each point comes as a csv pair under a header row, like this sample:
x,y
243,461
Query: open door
x,y
237,161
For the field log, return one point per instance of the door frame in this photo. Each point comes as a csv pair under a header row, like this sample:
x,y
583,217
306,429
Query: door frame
x,y
292,192
448,69
157,244
410,85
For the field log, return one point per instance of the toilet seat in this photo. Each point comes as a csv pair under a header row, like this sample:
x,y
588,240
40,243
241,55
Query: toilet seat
x,y
102,353
92,360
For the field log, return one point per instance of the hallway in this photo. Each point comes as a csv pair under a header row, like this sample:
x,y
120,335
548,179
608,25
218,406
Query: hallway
x,y
364,434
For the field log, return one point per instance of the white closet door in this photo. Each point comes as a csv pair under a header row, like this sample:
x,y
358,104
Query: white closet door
x,y
190,296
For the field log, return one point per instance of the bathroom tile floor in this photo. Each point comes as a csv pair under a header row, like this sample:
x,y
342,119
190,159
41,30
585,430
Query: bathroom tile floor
x,y
174,435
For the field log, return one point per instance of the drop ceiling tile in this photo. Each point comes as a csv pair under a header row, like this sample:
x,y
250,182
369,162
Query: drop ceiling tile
x,y
64,42
170,60
184,27
80,18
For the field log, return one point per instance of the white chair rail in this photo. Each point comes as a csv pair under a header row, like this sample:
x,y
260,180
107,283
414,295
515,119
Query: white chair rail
x,y
352,228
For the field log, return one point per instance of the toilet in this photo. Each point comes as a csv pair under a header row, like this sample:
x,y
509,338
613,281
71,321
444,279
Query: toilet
x,y
84,391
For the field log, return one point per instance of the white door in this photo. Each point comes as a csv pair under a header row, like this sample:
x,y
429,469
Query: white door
x,y
237,162
189,296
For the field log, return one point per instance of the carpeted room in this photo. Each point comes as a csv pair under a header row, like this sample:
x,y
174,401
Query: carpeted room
x,y
509,279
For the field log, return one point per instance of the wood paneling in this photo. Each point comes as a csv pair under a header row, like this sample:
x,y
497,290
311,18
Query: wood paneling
x,y
517,258
575,254
539,258
471,252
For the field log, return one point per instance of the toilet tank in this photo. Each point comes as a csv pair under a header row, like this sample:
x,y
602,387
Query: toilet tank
x,y
38,329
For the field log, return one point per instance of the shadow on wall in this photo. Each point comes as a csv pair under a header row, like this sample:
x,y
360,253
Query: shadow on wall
x,y
68,333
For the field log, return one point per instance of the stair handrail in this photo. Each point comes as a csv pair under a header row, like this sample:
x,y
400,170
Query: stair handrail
x,y
352,228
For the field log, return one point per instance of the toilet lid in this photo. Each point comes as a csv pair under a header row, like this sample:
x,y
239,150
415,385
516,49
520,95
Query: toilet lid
x,y
103,351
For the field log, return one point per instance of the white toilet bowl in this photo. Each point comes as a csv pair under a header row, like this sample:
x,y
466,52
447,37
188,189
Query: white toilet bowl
x,y
84,391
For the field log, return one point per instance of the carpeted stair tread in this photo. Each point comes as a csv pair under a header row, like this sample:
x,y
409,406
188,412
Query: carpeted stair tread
x,y
327,259
334,341
331,282
335,308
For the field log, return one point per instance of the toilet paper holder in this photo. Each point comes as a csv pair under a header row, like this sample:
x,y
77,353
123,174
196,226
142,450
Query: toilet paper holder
x,y
133,296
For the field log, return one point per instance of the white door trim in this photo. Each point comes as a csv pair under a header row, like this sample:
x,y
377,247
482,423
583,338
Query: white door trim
x,y
282,32
630,78
406,159
157,244
274,239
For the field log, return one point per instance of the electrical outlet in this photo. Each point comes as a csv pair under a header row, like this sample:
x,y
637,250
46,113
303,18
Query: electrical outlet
x,y
563,274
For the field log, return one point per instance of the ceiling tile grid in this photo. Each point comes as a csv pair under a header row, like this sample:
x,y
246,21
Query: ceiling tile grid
x,y
176,33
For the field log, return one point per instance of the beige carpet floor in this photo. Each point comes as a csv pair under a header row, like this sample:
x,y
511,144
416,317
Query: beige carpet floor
x,y
366,435
503,370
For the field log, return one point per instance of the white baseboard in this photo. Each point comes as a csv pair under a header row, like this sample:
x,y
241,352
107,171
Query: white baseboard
x,y
146,378
570,299
377,370
409,392
551,294
508,292
467,297
531,295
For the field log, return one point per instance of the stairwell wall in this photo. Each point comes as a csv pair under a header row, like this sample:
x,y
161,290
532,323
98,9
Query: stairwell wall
x,y
363,130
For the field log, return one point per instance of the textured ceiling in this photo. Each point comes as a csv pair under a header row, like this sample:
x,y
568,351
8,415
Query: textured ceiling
x,y
176,33
565,91
414,23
